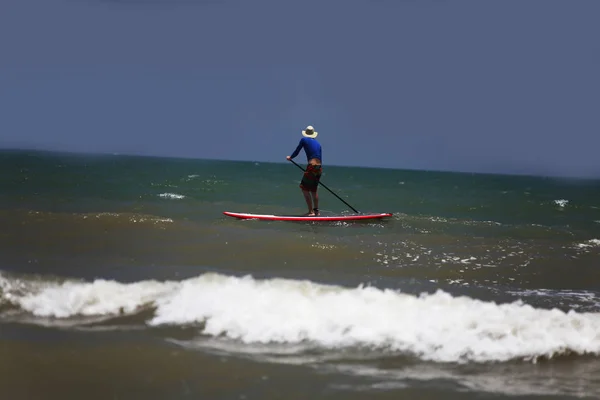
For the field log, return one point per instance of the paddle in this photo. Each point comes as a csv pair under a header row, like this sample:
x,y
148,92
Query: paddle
x,y
322,184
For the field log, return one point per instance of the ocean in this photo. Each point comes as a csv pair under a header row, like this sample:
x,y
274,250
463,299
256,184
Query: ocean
x,y
120,278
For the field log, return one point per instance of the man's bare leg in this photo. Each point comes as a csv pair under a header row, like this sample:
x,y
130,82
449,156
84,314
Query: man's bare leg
x,y
308,199
315,197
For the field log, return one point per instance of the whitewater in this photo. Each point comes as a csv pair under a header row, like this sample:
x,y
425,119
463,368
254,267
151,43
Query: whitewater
x,y
432,326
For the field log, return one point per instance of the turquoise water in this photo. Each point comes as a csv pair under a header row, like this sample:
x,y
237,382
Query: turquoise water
x,y
478,284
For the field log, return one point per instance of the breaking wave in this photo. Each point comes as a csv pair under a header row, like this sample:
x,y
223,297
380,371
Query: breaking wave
x,y
437,327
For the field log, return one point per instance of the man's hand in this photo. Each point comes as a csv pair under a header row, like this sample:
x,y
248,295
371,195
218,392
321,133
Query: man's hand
x,y
288,158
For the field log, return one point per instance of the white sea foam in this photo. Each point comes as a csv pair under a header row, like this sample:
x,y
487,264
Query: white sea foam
x,y
172,196
132,218
561,202
588,244
101,297
154,220
436,327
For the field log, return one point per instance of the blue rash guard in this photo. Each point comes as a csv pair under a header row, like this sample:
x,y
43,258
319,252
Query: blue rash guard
x,y
311,147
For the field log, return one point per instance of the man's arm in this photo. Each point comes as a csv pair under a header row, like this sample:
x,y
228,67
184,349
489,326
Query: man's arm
x,y
297,151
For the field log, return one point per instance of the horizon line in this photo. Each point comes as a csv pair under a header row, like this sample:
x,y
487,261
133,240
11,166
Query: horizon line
x,y
406,169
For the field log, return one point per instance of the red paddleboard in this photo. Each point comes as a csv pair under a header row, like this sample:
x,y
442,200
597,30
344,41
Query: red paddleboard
x,y
354,217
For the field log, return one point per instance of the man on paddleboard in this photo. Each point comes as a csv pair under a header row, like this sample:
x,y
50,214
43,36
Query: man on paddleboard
x,y
312,174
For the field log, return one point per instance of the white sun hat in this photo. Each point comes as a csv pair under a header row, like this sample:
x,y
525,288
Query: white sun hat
x,y
310,132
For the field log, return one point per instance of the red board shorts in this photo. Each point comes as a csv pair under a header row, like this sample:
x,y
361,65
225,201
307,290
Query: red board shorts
x,y
311,177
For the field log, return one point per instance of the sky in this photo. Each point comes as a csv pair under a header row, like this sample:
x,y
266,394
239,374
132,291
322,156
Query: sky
x,y
480,86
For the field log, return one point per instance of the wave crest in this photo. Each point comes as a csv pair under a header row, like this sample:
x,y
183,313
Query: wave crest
x,y
437,327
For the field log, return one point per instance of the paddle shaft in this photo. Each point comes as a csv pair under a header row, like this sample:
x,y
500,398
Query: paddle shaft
x,y
322,184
